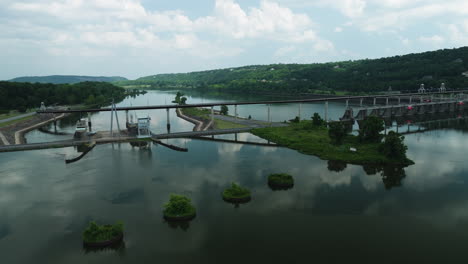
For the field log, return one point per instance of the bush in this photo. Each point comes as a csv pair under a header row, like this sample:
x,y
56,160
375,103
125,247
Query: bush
x,y
99,233
178,206
370,129
224,110
280,179
317,120
337,132
393,146
236,192
295,120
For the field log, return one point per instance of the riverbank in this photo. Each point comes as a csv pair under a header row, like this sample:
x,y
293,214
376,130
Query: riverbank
x,y
315,141
201,118
13,132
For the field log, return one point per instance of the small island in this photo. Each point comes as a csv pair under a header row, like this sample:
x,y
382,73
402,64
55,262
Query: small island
x,y
333,142
179,208
280,181
99,236
236,194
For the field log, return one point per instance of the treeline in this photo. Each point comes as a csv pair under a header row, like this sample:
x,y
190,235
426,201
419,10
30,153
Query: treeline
x,y
21,96
61,79
401,73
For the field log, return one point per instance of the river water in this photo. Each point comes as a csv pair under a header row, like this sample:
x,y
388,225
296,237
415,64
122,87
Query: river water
x,y
336,213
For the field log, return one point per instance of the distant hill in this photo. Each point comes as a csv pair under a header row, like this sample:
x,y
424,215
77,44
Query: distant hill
x,y
62,79
399,72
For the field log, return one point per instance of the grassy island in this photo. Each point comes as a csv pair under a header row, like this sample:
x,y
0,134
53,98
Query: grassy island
x,y
236,194
315,140
179,208
205,115
102,235
281,181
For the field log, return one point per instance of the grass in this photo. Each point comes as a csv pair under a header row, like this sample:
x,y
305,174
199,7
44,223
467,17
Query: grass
x,y
206,114
14,113
99,233
310,140
221,124
15,121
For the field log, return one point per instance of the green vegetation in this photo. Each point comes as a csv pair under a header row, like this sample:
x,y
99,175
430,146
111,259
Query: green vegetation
x,y
4,114
317,142
236,193
280,180
224,110
336,132
197,112
317,120
101,233
180,99
371,128
70,79
205,114
401,73
393,146
22,96
179,206
4,124
221,124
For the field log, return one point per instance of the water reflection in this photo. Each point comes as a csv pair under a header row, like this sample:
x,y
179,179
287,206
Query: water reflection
x,y
336,165
118,248
183,225
392,176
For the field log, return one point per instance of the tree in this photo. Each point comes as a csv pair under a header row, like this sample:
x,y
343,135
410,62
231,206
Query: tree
x,y
224,110
337,132
393,146
370,129
180,99
317,120
295,120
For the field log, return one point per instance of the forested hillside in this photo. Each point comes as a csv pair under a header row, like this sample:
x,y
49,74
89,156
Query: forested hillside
x,y
400,72
21,96
59,79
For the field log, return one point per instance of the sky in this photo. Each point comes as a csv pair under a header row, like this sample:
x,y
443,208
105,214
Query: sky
x,y
135,38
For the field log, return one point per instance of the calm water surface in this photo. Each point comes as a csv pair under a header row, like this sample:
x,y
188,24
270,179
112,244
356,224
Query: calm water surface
x,y
336,213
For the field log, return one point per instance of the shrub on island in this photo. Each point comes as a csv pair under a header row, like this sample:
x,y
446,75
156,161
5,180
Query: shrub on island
x,y
102,235
236,194
280,181
179,208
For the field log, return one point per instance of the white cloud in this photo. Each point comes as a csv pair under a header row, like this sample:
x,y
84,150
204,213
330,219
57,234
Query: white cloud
x,y
103,25
435,40
338,29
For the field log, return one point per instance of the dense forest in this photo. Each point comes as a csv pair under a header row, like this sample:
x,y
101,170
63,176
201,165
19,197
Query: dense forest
x,y
60,79
21,96
401,73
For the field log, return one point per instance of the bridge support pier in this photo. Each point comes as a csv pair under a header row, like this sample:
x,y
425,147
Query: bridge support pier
x,y
299,114
212,114
386,102
399,100
89,123
410,99
421,99
326,111
375,101
235,111
268,116
360,103
168,121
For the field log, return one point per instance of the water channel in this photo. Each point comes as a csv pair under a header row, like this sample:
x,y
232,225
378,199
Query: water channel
x,y
335,213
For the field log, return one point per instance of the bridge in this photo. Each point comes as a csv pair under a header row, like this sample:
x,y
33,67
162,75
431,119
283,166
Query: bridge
x,y
432,102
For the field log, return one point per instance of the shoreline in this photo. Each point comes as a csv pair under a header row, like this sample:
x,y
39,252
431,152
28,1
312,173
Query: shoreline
x,y
13,134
